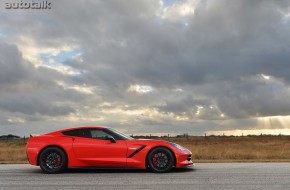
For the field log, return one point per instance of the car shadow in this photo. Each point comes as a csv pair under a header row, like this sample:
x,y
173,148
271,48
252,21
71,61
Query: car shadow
x,y
110,170
122,170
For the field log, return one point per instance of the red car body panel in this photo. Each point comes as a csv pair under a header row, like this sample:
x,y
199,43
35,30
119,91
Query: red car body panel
x,y
83,152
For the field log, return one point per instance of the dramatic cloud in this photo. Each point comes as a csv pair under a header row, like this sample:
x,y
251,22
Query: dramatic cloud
x,y
146,66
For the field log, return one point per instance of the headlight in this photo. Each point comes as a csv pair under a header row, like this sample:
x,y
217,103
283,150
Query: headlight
x,y
177,146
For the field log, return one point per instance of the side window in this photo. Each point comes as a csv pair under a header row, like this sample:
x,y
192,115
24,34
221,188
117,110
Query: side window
x,y
78,133
116,136
91,133
98,134
74,133
85,133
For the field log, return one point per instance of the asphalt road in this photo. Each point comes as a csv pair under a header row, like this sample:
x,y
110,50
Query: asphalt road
x,y
232,176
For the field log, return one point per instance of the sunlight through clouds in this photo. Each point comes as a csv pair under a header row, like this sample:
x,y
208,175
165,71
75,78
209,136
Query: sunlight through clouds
x,y
80,88
178,10
140,89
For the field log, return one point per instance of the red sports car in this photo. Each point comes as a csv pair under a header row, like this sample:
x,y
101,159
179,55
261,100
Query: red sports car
x,y
103,147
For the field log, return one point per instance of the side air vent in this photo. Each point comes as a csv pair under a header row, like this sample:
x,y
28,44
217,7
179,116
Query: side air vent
x,y
136,151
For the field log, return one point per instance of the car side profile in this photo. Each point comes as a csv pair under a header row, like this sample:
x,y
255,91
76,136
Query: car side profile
x,y
96,146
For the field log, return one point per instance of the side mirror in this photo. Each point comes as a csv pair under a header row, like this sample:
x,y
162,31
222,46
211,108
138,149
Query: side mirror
x,y
112,139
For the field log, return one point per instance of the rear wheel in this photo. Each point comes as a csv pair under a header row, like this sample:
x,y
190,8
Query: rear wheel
x,y
53,160
160,160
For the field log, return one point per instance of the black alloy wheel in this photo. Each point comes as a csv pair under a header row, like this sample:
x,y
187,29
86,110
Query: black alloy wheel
x,y
53,160
160,160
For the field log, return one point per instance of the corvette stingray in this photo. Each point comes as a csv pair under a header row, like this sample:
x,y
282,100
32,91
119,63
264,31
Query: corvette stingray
x,y
96,146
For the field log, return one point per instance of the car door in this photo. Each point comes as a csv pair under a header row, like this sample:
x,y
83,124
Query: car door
x,y
92,148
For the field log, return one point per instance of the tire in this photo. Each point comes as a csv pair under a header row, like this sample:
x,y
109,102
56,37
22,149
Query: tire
x,y
160,160
53,160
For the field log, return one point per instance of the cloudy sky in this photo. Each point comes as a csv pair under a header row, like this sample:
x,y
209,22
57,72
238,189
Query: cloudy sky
x,y
146,66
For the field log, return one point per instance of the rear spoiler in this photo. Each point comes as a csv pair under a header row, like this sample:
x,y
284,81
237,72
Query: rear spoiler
x,y
33,135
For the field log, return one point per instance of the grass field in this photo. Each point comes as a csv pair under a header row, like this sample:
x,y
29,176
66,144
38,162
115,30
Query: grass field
x,y
12,151
209,149
238,149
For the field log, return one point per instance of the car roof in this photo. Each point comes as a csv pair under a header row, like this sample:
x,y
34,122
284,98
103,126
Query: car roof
x,y
74,128
84,127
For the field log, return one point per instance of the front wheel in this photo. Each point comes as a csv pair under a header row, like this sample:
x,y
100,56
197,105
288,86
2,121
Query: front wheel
x,y
160,160
53,160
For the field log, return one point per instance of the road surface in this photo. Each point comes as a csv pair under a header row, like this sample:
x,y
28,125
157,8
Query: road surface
x,y
209,176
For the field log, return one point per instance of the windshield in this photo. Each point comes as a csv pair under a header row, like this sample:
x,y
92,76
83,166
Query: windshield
x,y
124,136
